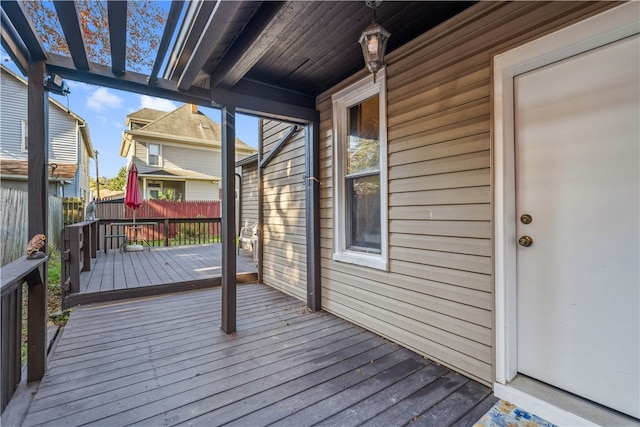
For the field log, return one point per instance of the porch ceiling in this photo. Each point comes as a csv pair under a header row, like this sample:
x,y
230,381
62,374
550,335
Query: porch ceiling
x,y
267,58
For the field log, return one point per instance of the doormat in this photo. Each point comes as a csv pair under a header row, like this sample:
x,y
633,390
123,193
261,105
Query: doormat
x,y
505,414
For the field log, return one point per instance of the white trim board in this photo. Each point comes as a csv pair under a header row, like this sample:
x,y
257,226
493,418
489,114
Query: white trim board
x,y
607,27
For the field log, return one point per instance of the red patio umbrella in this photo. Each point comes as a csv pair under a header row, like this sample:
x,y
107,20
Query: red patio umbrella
x,y
132,194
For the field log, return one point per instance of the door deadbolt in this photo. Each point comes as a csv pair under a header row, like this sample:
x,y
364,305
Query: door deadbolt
x,y
525,241
526,219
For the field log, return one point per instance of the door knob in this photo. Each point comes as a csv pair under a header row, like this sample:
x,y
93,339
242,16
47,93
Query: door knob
x,y
526,219
525,241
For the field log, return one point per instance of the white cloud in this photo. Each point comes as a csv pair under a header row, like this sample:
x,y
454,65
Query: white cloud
x,y
78,85
156,103
102,99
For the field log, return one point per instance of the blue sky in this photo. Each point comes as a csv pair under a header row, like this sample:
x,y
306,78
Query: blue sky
x,y
105,110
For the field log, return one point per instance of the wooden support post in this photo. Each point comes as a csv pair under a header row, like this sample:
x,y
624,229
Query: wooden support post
x,y
38,203
37,325
260,197
312,207
228,220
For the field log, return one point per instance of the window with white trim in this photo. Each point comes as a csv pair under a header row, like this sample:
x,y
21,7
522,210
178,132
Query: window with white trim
x,y
153,154
24,135
360,171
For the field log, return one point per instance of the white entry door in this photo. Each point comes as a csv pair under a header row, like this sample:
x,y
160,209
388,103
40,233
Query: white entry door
x,y
577,148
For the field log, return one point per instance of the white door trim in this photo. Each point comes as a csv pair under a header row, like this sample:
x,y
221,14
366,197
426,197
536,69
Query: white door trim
x,y
607,27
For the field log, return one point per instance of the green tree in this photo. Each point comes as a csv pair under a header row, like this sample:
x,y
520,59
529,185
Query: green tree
x,y
145,22
118,182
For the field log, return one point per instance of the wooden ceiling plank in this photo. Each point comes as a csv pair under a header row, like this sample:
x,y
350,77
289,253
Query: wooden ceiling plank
x,y
117,12
68,16
214,30
18,17
169,28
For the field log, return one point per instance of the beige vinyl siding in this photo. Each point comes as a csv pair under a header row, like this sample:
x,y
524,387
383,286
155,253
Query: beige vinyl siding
x,y
437,297
201,190
205,161
284,229
249,194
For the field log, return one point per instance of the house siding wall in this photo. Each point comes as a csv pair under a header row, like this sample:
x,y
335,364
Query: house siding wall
x,y
62,126
14,110
437,297
249,194
284,230
201,190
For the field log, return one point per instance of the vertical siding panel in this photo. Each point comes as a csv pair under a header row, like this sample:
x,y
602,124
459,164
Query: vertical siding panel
x,y
437,297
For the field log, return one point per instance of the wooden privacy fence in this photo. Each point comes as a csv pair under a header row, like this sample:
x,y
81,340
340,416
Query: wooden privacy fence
x,y
160,209
14,275
73,210
14,215
162,231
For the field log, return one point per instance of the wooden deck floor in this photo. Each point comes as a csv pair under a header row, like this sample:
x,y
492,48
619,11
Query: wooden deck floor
x,y
164,361
117,275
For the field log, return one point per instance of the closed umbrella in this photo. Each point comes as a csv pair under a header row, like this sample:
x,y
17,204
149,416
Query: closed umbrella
x,y
132,199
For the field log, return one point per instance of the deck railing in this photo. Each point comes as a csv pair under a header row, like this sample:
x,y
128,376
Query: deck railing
x,y
14,275
79,244
162,231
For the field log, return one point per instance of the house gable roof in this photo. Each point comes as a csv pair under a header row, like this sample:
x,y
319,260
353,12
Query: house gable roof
x,y
184,125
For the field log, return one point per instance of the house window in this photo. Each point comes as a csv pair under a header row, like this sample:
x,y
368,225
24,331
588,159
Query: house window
x,y
360,166
153,154
24,136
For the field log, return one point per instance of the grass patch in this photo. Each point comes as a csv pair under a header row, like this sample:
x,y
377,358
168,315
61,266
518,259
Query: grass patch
x,y
54,298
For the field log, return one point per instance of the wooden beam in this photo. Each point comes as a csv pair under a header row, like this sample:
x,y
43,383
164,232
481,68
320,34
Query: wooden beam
x,y
68,16
102,75
117,11
13,45
18,17
170,27
228,220
38,197
248,48
312,208
215,28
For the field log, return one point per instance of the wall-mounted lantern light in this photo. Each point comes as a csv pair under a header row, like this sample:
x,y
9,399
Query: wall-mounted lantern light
x,y
374,41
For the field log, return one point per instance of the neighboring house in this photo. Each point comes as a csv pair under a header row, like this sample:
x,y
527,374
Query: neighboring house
x,y
176,153
425,210
70,148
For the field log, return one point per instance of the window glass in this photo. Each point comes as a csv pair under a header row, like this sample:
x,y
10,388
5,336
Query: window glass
x,y
363,212
364,130
154,154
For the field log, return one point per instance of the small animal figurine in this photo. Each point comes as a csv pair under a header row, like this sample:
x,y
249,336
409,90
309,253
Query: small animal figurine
x,y
36,243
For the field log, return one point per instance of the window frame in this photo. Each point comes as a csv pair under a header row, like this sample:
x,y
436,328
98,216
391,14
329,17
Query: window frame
x,y
159,164
24,135
342,101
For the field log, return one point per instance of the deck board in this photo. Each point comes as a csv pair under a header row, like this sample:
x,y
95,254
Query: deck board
x,y
119,275
164,360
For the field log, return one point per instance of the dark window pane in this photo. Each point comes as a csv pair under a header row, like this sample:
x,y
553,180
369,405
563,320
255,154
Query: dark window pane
x,y
363,213
363,149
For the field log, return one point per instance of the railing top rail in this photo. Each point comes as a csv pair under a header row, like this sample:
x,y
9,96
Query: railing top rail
x,y
15,273
81,224
156,219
